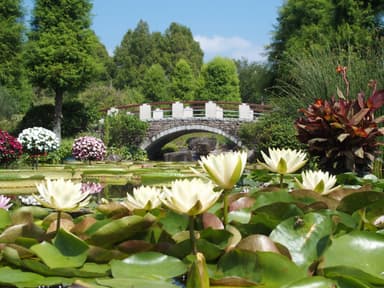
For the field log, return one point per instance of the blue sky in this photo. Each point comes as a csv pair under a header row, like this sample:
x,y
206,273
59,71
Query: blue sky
x,y
227,28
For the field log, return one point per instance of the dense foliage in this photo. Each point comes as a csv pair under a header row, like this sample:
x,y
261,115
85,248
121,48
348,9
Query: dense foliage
x,y
140,49
61,49
220,81
11,34
269,131
323,24
124,130
76,118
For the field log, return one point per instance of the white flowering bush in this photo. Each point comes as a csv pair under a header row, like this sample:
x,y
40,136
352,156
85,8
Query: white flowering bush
x,y
88,148
38,140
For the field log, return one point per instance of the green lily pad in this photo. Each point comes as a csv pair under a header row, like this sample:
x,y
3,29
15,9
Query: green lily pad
x,y
68,251
358,254
356,201
5,218
88,270
148,265
134,282
269,269
268,198
314,282
304,236
18,278
119,230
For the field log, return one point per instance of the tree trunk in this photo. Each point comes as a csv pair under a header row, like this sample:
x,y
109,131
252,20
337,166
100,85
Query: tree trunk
x,y
58,113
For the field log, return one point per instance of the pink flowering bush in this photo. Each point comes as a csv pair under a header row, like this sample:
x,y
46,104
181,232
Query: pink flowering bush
x,y
88,148
10,148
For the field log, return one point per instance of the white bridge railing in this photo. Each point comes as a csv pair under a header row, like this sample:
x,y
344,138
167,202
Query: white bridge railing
x,y
194,109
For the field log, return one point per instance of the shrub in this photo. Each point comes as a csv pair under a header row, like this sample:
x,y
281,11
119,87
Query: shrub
x,y
62,153
124,130
88,148
10,148
270,131
38,140
343,132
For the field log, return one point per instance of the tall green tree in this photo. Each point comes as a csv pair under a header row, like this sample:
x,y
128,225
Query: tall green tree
x,y
254,79
132,58
182,82
12,71
61,49
140,49
181,45
155,84
220,81
324,24
11,45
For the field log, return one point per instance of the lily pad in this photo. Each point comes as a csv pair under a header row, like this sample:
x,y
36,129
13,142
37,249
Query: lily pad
x,y
304,237
148,265
365,252
119,230
68,251
268,269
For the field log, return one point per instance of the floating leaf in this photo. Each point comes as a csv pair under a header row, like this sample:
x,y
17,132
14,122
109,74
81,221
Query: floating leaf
x,y
267,268
68,251
5,218
148,265
16,277
314,282
119,230
211,220
28,230
134,282
356,201
258,242
302,236
365,261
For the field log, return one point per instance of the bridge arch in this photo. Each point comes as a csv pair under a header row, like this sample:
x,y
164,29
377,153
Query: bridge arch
x,y
153,146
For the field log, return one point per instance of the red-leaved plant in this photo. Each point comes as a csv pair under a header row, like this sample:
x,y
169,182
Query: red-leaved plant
x,y
343,133
10,148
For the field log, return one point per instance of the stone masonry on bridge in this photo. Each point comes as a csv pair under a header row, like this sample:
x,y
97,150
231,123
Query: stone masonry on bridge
x,y
166,125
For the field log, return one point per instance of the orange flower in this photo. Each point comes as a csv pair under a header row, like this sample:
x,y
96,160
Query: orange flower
x,y
341,69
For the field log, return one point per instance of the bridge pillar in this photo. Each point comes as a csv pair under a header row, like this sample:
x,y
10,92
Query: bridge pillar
x,y
177,110
245,112
145,112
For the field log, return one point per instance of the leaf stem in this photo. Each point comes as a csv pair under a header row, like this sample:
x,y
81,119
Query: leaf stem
x,y
58,221
192,234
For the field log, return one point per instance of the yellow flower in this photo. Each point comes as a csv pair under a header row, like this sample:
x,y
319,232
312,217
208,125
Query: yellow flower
x,y
225,169
61,195
283,161
318,181
190,196
144,197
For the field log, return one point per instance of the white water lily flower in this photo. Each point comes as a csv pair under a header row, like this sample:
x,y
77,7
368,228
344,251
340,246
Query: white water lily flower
x,y
190,196
61,195
144,197
225,169
283,161
318,181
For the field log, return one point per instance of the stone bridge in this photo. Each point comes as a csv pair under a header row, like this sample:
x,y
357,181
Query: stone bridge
x,y
168,121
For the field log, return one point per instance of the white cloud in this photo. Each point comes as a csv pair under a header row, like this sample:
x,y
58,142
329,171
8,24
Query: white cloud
x,y
232,47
